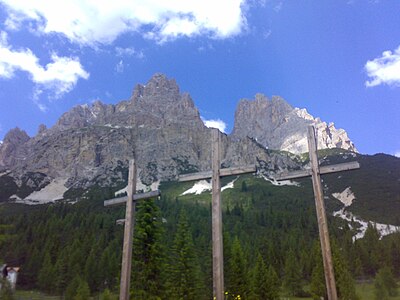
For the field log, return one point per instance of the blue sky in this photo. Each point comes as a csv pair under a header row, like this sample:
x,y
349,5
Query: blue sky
x,y
338,59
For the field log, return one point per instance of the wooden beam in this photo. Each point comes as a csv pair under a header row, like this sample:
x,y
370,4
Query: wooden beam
x,y
321,216
323,170
136,197
237,170
223,172
128,234
217,238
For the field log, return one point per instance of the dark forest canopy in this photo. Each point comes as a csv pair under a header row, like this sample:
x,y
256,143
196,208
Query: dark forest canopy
x,y
271,245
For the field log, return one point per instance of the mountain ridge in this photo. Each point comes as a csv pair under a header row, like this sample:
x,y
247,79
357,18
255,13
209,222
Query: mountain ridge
x,y
92,144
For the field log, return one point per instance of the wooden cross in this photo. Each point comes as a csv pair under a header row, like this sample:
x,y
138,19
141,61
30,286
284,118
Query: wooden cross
x,y
217,239
130,201
315,173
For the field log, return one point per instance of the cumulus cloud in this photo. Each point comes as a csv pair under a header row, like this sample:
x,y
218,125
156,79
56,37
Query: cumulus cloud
x,y
91,22
384,69
59,76
397,154
221,125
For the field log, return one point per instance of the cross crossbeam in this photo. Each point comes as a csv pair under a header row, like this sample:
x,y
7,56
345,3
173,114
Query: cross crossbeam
x,y
130,201
323,170
217,239
315,173
222,173
136,197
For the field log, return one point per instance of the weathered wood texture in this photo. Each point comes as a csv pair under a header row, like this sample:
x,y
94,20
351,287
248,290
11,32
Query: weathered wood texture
x,y
223,172
323,170
321,215
136,197
218,256
128,234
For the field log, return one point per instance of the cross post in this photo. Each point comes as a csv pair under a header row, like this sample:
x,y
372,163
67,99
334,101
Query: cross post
x,y
130,201
216,212
315,173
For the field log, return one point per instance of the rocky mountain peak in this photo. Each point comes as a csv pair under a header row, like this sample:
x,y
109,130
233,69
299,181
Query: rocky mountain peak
x,y
159,88
277,125
13,144
42,128
16,136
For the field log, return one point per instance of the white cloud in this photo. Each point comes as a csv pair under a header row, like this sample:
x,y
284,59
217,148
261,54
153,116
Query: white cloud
x,y
384,69
91,22
221,125
59,76
130,51
397,153
119,67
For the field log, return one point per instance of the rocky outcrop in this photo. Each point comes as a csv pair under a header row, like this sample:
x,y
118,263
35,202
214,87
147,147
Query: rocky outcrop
x,y
277,125
13,147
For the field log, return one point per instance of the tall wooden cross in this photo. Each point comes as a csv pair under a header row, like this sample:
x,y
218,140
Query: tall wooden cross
x,y
315,173
217,239
130,201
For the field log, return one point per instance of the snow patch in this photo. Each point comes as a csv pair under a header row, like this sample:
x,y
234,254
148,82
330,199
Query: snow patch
x,y
141,186
50,193
203,186
346,197
383,229
229,185
280,183
198,188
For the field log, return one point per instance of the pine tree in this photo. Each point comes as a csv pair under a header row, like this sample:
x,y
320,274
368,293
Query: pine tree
x,y
147,260
238,281
106,295
292,279
184,269
92,271
83,291
47,275
72,288
385,284
266,281
344,281
317,286
61,273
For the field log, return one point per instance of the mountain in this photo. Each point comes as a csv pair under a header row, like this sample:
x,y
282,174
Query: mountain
x,y
277,125
91,145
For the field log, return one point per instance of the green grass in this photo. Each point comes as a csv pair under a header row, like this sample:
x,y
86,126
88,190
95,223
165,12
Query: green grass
x,y
33,295
365,291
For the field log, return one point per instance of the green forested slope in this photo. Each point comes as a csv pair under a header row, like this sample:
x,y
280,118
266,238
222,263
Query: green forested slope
x,y
267,230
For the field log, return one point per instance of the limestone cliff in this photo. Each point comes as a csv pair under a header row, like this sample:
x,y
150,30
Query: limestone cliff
x,y
277,125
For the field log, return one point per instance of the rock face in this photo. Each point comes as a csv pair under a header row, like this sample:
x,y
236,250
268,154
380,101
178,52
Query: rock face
x,y
13,147
161,127
158,125
277,125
